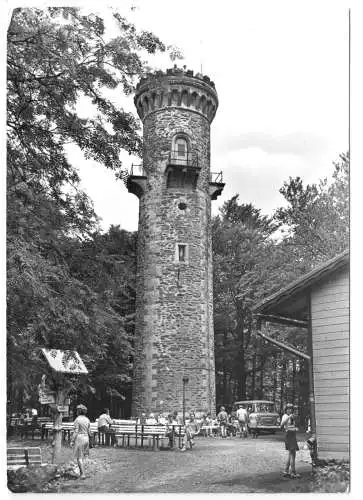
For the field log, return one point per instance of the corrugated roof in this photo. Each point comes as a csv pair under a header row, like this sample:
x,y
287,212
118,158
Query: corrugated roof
x,y
65,361
305,281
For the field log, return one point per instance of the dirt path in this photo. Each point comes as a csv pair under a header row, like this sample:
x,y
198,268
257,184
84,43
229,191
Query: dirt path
x,y
215,465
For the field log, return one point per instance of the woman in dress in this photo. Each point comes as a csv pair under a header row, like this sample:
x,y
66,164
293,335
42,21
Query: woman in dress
x,y
288,423
80,437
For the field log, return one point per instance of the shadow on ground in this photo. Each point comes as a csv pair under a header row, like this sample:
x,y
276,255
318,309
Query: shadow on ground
x,y
269,483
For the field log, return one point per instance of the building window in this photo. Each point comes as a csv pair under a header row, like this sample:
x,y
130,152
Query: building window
x,y
180,150
182,253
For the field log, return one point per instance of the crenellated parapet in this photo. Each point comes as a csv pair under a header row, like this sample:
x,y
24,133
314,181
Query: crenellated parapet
x,y
177,88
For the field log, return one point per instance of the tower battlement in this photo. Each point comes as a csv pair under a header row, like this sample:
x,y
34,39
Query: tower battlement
x,y
177,87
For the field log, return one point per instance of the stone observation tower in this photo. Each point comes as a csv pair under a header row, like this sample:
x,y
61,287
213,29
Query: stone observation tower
x,y
174,338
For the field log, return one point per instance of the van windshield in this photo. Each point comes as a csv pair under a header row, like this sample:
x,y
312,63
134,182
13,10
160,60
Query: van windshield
x,y
264,408
258,407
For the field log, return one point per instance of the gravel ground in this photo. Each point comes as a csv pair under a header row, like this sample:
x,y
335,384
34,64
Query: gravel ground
x,y
231,465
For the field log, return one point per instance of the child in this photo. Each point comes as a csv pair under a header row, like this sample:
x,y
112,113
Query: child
x,y
288,424
191,429
170,429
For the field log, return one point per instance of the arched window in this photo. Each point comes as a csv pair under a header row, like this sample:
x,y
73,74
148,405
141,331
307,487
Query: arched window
x,y
181,150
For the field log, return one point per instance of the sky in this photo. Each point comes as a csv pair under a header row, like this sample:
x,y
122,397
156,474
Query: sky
x,y
281,74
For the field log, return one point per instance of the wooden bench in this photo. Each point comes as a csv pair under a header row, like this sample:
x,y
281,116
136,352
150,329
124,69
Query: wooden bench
x,y
126,434
67,430
119,421
209,430
154,436
29,427
23,457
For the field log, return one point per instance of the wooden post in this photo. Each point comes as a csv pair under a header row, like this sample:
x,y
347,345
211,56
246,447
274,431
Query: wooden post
x,y
61,396
57,438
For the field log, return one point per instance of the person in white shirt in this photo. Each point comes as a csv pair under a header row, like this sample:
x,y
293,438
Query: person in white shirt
x,y
34,414
288,424
104,423
242,417
171,424
151,420
80,437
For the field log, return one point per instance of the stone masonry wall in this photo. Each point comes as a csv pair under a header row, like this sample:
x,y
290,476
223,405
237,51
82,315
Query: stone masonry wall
x,y
174,318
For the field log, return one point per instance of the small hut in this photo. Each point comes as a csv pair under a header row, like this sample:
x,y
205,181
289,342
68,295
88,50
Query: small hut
x,y
320,301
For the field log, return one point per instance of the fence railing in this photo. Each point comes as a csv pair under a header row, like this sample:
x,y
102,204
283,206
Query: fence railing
x,y
216,177
137,169
188,160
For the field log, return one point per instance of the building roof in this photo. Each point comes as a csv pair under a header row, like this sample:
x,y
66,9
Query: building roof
x,y
292,300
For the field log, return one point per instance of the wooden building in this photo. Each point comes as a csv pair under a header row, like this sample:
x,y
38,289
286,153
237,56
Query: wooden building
x,y
319,300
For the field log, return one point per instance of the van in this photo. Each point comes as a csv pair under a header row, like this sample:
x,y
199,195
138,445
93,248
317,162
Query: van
x,y
262,416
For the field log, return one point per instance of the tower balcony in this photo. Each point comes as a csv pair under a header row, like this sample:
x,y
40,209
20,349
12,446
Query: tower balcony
x,y
182,170
216,184
184,159
136,180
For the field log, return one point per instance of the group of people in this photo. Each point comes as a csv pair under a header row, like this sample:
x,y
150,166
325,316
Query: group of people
x,y
231,424
82,431
172,421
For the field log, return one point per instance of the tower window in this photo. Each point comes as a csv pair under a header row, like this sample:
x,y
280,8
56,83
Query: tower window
x,y
182,251
181,148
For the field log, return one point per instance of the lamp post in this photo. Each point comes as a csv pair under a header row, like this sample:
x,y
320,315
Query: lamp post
x,y
185,381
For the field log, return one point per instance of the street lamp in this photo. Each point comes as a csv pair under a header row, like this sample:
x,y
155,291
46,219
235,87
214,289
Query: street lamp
x,y
185,381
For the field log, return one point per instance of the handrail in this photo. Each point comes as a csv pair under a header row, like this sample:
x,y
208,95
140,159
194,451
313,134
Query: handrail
x,y
137,169
216,177
189,160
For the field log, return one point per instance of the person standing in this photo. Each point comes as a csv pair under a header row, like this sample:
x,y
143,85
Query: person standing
x,y
80,437
222,418
242,417
104,424
142,419
170,429
288,424
34,414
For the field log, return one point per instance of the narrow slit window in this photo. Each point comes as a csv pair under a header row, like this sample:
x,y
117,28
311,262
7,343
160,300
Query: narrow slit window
x,y
182,251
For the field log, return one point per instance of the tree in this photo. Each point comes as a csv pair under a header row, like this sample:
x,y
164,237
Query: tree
x,y
251,261
317,216
56,56
242,257
107,264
